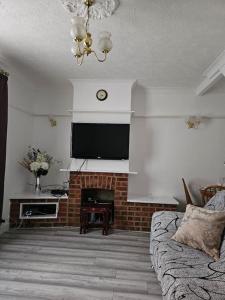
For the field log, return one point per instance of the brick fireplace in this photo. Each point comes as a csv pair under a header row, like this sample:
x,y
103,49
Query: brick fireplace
x,y
127,215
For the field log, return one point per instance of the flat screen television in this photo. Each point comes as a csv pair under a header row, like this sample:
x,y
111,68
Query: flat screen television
x,y
100,141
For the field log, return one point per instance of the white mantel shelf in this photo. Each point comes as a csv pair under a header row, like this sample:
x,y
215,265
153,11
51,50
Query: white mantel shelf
x,y
100,171
153,200
33,196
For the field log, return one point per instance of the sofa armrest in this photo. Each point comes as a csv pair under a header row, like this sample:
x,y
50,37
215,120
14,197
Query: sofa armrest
x,y
164,222
166,219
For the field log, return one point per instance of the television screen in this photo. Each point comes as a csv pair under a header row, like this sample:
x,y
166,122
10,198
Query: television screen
x,y
100,141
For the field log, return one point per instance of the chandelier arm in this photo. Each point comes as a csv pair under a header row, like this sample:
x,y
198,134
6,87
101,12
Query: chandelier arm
x,y
100,60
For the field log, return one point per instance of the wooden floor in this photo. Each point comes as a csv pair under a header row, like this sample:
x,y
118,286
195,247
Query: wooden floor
x,y
61,264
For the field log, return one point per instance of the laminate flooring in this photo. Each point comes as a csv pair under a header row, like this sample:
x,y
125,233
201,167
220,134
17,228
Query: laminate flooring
x,y
61,264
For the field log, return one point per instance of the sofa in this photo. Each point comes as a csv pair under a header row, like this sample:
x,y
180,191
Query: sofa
x,y
184,272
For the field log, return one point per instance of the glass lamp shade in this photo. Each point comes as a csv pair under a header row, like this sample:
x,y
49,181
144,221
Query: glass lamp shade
x,y
105,45
77,20
78,32
104,34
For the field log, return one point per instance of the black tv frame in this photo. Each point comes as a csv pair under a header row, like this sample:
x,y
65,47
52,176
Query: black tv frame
x,y
72,155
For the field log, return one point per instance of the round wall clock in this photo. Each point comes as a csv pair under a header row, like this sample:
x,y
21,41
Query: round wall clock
x,y
101,95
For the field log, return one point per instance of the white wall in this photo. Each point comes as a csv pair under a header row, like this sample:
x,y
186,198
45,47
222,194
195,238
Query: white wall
x,y
119,99
20,128
55,140
162,149
24,129
54,99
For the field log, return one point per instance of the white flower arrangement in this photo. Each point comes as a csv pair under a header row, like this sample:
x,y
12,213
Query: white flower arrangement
x,y
35,166
44,165
36,161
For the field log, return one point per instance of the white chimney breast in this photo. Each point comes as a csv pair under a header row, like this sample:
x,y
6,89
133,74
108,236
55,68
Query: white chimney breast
x,y
115,109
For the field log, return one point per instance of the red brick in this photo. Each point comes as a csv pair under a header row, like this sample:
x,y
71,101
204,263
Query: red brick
x,y
127,215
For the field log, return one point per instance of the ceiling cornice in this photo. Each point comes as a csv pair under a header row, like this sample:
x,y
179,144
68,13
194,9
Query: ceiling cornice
x,y
212,74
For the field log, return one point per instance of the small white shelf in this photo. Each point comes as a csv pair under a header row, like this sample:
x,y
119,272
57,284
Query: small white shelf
x,y
33,196
103,111
100,171
153,199
40,216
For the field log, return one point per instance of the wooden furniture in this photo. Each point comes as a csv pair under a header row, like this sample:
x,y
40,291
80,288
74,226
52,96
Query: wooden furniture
x,y
209,191
85,223
187,194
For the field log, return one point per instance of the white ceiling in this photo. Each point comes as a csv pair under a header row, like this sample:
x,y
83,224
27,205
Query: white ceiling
x,y
159,42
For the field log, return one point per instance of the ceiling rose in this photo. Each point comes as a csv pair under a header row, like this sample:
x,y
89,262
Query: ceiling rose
x,y
99,10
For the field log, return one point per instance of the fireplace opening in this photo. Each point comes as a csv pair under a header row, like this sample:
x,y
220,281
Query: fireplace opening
x,y
93,197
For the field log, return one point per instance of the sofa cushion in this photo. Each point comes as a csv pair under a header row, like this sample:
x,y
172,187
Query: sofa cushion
x,y
201,229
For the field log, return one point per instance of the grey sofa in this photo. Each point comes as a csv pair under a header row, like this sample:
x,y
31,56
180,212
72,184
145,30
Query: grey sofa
x,y
186,273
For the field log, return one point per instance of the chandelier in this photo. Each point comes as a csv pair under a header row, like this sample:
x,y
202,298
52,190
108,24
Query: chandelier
x,y
82,40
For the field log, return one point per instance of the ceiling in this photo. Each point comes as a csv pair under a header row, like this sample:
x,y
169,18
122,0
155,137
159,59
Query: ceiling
x,y
165,43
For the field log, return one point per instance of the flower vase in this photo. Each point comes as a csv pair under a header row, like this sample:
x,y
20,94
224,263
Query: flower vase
x,y
37,185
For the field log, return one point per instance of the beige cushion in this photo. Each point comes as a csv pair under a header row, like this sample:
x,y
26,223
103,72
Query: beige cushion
x,y
201,229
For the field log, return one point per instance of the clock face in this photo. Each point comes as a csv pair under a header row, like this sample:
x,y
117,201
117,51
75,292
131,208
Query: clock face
x,y
101,95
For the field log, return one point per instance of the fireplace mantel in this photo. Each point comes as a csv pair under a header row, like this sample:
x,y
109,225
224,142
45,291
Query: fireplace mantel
x,y
101,171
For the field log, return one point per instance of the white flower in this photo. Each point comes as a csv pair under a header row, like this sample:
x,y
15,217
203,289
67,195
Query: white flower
x,y
44,165
40,158
35,166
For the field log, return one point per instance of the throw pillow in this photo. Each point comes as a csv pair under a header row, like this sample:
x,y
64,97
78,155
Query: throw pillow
x,y
201,229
